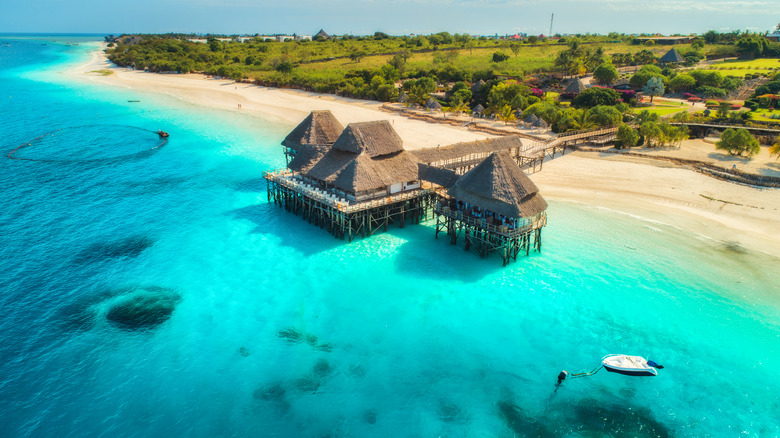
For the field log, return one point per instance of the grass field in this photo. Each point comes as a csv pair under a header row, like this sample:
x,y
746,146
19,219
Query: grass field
x,y
663,110
530,59
763,115
741,68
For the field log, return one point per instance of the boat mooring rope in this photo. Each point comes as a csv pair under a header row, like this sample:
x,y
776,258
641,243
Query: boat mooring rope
x,y
31,143
565,374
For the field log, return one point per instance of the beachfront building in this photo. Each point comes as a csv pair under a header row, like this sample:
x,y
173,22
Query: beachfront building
x,y
496,208
357,185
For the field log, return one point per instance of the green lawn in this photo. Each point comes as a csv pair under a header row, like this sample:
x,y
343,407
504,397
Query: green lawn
x,y
741,68
763,115
663,110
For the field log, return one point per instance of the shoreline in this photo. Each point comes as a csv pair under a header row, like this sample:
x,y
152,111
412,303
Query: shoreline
x,y
658,191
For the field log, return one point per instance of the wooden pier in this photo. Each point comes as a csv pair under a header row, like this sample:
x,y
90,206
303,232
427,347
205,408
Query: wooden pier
x,y
344,219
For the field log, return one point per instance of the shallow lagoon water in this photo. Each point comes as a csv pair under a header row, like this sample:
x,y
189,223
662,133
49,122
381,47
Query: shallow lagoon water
x,y
279,329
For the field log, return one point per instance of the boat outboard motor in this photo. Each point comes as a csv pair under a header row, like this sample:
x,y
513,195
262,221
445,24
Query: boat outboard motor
x,y
653,364
562,376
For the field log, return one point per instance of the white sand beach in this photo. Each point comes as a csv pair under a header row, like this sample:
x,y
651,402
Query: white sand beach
x,y
652,189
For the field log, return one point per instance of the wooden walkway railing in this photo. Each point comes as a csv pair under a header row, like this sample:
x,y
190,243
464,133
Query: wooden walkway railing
x,y
286,178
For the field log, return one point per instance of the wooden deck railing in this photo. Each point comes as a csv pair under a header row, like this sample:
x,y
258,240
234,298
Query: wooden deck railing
x,y
286,178
538,221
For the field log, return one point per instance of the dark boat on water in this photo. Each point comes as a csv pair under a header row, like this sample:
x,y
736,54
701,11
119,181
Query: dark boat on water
x,y
162,134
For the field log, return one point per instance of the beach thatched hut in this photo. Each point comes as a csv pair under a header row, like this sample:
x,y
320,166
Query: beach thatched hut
x,y
519,114
367,161
322,34
498,186
540,124
477,111
432,104
671,57
476,86
403,97
575,86
530,120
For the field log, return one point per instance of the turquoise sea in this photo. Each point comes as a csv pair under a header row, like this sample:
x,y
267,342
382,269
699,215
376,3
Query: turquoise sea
x,y
264,325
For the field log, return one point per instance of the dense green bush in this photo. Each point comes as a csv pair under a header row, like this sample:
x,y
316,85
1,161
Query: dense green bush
x,y
596,96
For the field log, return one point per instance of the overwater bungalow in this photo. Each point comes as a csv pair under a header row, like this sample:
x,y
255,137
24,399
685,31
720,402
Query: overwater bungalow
x,y
365,180
361,183
313,136
496,208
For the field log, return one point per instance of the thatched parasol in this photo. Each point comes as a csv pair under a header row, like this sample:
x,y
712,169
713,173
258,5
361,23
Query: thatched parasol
x,y
432,104
575,86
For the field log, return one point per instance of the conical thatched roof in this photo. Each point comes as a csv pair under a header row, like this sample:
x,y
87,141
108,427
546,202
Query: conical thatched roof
x,y
497,184
403,97
432,104
318,128
479,109
672,56
575,86
322,34
476,86
367,156
374,138
518,114
531,119
540,124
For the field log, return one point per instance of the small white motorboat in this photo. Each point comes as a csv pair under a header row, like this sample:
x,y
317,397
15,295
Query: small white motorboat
x,y
629,365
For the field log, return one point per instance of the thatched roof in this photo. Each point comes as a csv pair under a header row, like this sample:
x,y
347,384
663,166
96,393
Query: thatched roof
x,y
432,104
672,56
540,124
306,157
366,156
458,150
497,184
322,34
318,128
403,97
476,86
360,172
437,175
575,86
374,138
479,109
531,119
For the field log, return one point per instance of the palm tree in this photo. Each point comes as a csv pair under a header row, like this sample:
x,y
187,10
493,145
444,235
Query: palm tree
x,y
579,120
459,107
775,148
507,114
